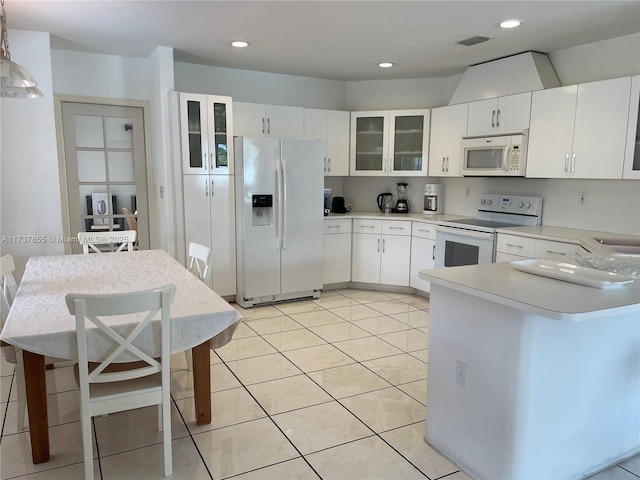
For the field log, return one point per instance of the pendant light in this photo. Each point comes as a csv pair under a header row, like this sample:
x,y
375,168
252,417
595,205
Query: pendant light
x,y
15,80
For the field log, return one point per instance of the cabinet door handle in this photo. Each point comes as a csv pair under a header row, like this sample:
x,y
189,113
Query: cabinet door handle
x,y
566,163
325,164
556,253
213,189
396,228
443,159
268,126
383,240
573,163
333,226
204,161
329,159
498,118
493,119
378,245
447,164
367,226
263,125
206,188
514,245
433,257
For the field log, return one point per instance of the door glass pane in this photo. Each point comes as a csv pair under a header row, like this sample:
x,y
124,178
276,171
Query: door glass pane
x,y
220,117
89,132
458,254
119,132
221,150
489,158
369,142
94,204
121,168
407,149
195,135
91,167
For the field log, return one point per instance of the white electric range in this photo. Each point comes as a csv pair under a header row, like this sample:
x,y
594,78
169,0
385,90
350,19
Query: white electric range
x,y
471,241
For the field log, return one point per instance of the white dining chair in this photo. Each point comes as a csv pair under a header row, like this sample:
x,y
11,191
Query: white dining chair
x,y
89,240
110,388
11,353
201,265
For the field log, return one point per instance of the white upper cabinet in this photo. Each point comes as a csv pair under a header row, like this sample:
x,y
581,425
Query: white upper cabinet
x,y
632,150
259,120
332,127
390,143
448,125
579,131
499,115
206,135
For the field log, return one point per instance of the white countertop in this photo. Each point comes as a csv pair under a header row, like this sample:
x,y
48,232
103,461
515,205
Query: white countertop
x,y
501,283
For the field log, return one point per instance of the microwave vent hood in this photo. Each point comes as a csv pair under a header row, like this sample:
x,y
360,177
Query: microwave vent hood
x,y
524,72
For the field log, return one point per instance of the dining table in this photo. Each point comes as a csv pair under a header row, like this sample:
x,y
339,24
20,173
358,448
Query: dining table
x,y
39,322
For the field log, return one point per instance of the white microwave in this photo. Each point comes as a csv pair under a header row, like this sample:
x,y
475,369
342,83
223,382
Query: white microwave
x,y
496,155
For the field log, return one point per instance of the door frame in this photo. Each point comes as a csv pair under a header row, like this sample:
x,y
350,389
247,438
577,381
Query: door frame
x,y
58,100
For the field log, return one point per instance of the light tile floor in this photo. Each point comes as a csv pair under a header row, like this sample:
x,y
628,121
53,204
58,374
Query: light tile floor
x,y
333,388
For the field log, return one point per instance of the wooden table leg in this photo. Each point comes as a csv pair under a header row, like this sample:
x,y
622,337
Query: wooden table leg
x,y
36,387
202,383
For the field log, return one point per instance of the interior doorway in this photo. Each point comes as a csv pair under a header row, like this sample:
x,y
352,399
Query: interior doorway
x,y
105,170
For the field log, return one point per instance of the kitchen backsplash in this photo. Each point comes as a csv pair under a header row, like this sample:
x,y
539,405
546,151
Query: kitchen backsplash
x,y
612,205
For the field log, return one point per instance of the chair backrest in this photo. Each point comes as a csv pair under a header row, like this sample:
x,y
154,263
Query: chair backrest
x,y
89,240
91,307
9,286
132,223
200,257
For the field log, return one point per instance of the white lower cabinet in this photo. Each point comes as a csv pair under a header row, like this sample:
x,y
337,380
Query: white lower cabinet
x,y
514,247
381,251
209,219
337,251
423,253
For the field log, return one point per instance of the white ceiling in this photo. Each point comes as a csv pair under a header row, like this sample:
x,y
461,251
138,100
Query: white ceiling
x,y
341,40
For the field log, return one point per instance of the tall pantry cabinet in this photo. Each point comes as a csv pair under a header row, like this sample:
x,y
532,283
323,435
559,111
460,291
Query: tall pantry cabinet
x,y
206,151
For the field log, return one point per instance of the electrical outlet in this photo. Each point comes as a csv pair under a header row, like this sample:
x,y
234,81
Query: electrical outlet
x,y
582,199
461,374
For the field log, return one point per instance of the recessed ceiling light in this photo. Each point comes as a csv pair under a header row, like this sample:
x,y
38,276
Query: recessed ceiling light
x,y
510,23
386,64
239,43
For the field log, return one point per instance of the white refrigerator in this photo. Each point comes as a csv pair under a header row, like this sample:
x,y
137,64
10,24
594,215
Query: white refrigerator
x,y
279,219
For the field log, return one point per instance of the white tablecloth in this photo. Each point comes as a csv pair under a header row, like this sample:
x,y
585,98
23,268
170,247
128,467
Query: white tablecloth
x,y
39,320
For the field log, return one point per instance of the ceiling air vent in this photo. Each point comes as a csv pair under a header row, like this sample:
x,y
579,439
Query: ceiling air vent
x,y
468,42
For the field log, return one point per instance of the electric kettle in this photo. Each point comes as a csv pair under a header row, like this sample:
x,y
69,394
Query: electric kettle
x,y
385,200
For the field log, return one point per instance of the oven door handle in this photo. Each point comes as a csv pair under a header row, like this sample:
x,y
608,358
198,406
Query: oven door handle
x,y
464,232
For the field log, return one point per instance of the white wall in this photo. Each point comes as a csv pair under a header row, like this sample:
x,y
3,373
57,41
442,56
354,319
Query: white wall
x,y
30,193
260,87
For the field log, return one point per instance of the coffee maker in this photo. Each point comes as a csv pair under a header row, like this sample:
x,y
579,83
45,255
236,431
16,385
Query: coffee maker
x,y
433,197
402,203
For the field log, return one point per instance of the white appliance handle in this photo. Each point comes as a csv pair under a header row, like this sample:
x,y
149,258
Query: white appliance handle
x,y
279,205
284,203
464,232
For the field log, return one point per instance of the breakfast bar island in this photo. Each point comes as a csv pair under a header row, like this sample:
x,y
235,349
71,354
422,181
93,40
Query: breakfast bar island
x,y
531,377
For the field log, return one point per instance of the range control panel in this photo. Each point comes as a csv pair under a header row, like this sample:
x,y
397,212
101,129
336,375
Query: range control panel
x,y
513,204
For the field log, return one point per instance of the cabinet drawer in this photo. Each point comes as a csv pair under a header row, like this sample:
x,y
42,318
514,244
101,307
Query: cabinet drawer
x,y
515,245
367,226
423,230
342,225
396,227
555,250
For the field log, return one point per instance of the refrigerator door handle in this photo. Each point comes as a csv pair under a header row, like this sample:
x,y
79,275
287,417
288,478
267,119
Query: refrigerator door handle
x,y
279,204
284,203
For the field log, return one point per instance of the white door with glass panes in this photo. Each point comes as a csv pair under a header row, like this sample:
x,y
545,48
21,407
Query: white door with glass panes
x,y
106,171
206,140
409,142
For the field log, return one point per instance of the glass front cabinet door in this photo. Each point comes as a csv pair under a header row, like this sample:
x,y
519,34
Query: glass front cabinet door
x,y
207,137
391,143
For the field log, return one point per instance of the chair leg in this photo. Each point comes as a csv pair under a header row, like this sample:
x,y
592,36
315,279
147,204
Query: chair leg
x,y
87,445
166,437
189,356
22,391
160,413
